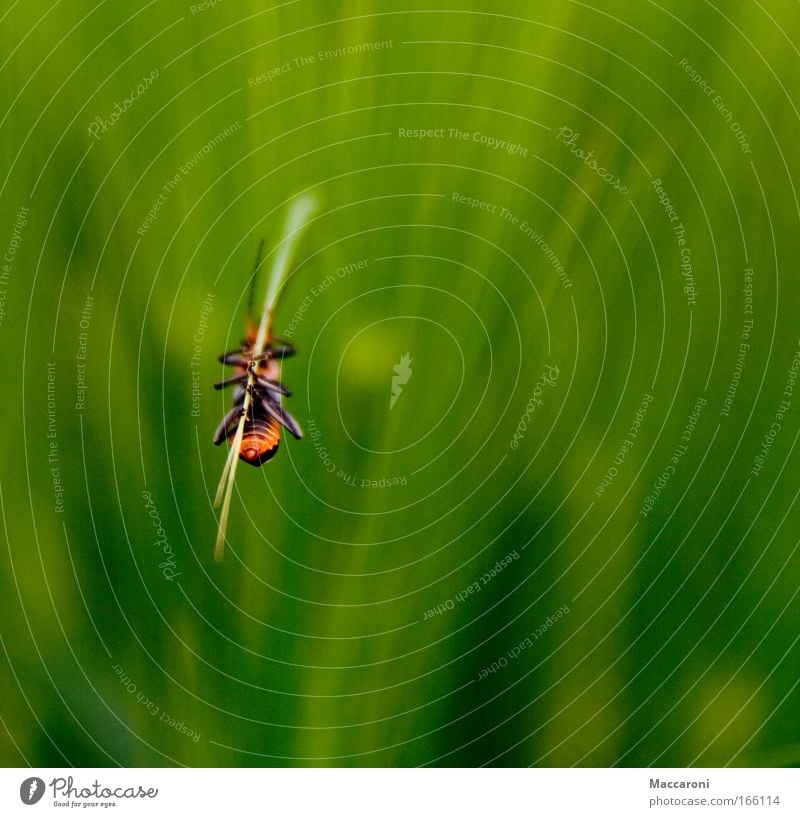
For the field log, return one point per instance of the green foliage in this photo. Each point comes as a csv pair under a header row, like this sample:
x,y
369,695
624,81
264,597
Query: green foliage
x,y
334,632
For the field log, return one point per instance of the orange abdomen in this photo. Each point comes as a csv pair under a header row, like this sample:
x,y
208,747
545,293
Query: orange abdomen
x,y
260,440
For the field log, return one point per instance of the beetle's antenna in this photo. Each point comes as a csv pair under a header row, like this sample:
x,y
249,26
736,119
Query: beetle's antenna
x,y
254,280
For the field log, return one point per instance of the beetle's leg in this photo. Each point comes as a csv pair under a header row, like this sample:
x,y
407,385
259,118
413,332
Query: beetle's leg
x,y
234,358
273,386
240,378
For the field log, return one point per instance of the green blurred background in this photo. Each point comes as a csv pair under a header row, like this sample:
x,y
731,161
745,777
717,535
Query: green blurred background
x,y
313,642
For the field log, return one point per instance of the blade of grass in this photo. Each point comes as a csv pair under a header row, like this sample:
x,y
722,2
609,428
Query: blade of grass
x,y
300,212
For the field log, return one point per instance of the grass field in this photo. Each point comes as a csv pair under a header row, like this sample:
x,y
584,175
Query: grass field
x,y
570,538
